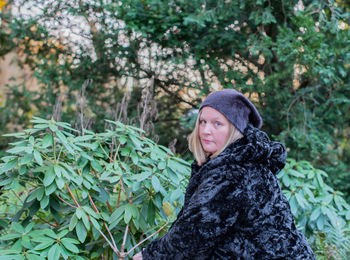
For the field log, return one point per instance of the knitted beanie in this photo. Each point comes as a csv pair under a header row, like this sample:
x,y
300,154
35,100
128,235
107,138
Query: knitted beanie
x,y
235,107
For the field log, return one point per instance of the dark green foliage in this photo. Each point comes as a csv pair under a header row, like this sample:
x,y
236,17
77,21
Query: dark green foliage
x,y
64,192
320,211
85,196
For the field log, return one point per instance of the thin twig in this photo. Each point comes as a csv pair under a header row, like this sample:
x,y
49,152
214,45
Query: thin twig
x,y
111,149
54,147
59,154
115,250
116,152
93,204
70,192
99,143
120,191
109,207
124,238
122,185
52,225
109,232
66,202
147,238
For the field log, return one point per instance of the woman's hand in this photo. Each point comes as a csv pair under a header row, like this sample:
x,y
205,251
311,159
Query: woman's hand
x,y
138,256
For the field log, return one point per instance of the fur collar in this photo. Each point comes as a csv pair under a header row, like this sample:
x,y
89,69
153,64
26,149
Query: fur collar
x,y
255,146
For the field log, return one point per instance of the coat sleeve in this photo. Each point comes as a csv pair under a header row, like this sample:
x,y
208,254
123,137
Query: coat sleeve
x,y
203,221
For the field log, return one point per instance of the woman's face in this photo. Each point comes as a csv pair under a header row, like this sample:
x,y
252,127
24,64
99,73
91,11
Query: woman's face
x,y
213,129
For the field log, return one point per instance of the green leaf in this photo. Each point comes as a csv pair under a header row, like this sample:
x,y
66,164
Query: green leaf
x,y
10,236
96,166
44,202
175,195
17,227
31,140
141,177
63,233
50,233
64,141
134,158
60,183
85,220
38,120
130,211
34,257
79,213
29,227
315,214
73,222
22,170
39,237
293,205
49,190
95,223
320,222
38,157
91,212
327,199
300,199
156,183
53,127
47,141
116,216
295,173
162,165
26,159
319,179
49,177
81,231
17,135
33,195
54,252
17,149
127,216
138,143
8,166
57,170
83,138
66,126
41,126
44,245
12,257
71,240
68,245
40,193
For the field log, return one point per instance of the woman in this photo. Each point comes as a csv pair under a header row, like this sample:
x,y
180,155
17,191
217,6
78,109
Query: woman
x,y
234,207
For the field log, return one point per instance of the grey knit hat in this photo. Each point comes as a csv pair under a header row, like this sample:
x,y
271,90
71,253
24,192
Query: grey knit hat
x,y
235,107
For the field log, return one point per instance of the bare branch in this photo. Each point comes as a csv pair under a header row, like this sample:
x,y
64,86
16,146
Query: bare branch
x,y
147,238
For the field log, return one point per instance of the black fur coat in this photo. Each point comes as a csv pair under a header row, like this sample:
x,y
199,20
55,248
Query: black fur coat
x,y
234,208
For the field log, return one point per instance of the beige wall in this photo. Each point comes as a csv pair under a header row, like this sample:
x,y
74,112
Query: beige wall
x,y
9,68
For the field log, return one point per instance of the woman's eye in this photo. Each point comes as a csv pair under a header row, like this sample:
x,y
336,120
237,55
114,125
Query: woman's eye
x,y
218,124
202,122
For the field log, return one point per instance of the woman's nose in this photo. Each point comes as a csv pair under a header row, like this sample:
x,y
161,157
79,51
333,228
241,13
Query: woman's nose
x,y
207,129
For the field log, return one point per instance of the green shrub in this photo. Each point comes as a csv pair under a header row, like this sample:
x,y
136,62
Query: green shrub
x,y
85,195
320,211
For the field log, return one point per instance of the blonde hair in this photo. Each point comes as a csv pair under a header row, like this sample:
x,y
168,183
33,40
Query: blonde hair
x,y
196,148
